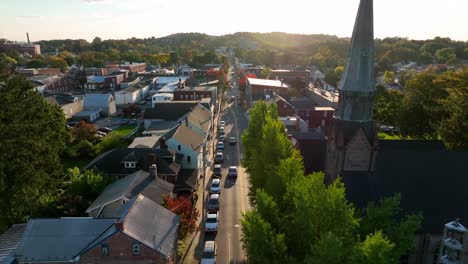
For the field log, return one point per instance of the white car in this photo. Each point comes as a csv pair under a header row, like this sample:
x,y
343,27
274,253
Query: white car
x,y
222,123
232,172
211,223
215,186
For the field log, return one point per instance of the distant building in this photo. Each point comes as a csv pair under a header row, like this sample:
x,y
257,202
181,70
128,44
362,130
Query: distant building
x,y
104,102
195,93
289,76
53,83
96,71
134,67
24,48
262,89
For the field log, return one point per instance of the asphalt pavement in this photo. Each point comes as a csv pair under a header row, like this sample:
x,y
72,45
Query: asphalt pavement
x,y
233,198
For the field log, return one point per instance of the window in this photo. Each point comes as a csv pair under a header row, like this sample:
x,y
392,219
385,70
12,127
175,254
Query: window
x,y
178,147
105,250
136,248
130,165
189,159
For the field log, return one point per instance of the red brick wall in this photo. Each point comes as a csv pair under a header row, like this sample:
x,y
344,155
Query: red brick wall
x,y
49,71
285,109
120,251
258,90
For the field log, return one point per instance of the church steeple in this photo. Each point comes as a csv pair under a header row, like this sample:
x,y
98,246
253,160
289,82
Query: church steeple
x,y
357,84
352,140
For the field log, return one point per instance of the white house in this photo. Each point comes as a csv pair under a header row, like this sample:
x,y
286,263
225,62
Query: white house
x,y
161,97
128,96
186,141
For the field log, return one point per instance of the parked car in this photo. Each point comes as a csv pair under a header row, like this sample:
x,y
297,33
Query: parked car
x,y
217,171
221,130
100,133
105,129
220,145
211,223
209,253
215,186
219,158
232,171
213,203
222,123
232,140
221,138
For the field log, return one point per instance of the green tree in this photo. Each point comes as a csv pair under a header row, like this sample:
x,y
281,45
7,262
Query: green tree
x,y
32,134
265,73
110,141
57,62
7,65
445,54
374,249
36,63
68,57
84,131
389,77
387,106
454,124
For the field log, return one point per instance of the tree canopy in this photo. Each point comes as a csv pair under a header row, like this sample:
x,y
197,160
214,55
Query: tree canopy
x,y
299,219
32,134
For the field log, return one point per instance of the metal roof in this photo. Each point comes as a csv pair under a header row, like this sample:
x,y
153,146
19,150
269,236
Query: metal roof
x,y
264,82
123,188
152,225
59,239
9,242
96,100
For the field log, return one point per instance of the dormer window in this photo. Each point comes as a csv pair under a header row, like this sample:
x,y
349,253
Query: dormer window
x,y
130,164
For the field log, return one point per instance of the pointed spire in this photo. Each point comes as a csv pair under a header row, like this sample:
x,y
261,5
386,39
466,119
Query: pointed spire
x,y
358,75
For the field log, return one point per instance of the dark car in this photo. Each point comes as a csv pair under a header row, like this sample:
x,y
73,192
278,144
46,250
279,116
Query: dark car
x,y
219,158
106,130
217,171
213,203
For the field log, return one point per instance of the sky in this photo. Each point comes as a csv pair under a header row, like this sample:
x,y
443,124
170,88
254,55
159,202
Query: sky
x,y
122,19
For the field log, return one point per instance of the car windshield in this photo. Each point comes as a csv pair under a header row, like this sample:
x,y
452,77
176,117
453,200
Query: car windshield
x,y
232,169
213,201
211,220
215,184
208,254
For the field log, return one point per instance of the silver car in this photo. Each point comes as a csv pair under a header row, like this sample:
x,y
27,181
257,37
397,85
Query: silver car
x,y
215,186
211,223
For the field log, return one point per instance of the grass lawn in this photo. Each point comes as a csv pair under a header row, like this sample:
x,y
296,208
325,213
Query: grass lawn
x,y
391,136
70,163
125,130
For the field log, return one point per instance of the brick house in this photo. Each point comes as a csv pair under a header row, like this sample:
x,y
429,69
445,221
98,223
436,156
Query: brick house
x,y
284,107
261,89
53,83
96,71
289,76
145,232
195,93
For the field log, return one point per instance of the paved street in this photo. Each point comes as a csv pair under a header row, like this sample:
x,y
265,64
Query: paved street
x,y
233,198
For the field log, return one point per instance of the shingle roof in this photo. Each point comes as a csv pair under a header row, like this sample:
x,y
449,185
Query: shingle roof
x,y
110,163
152,225
172,110
144,142
59,239
9,241
126,187
200,117
188,137
157,190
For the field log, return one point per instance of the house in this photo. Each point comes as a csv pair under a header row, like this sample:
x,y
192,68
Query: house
x,y
96,71
159,128
108,81
107,204
53,83
199,120
145,232
120,162
133,67
103,102
168,111
291,76
185,141
284,107
70,104
321,117
196,93
304,106
261,89
9,241
161,97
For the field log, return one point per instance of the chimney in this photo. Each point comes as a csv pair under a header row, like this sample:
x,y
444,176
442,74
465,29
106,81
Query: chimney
x,y
151,158
27,36
153,170
163,143
119,226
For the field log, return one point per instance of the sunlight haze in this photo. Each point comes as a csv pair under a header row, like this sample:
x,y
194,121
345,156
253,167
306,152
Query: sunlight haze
x,y
121,19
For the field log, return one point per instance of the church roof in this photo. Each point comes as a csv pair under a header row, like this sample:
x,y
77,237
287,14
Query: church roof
x,y
430,179
358,75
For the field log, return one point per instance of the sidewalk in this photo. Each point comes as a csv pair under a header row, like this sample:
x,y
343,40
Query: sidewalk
x,y
195,241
